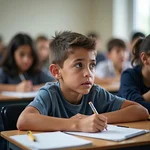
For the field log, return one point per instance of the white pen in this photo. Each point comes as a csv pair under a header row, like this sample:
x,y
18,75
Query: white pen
x,y
22,77
94,110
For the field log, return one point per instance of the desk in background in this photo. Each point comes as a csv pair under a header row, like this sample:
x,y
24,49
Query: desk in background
x,y
136,143
112,88
5,100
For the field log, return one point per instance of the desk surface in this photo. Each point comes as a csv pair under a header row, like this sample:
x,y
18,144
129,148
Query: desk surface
x,y
9,98
114,87
97,143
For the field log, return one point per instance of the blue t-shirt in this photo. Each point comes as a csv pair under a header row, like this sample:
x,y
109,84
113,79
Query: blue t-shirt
x,y
132,86
38,78
50,101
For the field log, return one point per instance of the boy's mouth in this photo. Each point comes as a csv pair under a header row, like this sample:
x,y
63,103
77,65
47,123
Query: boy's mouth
x,y
87,83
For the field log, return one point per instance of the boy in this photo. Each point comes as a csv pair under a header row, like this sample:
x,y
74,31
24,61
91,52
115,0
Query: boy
x,y
109,71
64,105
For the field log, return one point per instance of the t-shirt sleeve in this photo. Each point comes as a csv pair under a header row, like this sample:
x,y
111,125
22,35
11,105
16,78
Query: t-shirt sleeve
x,y
129,89
42,102
107,102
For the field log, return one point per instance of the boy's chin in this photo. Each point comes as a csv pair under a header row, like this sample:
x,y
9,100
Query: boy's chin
x,y
85,92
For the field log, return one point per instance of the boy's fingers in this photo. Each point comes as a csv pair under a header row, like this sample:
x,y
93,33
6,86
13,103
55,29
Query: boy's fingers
x,y
103,118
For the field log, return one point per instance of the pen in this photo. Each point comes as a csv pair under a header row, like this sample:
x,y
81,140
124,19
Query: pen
x,y
94,110
122,126
22,77
31,136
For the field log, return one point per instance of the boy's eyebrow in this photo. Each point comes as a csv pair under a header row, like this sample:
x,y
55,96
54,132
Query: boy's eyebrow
x,y
83,59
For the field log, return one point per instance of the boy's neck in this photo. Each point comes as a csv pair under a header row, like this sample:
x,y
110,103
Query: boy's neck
x,y
71,96
118,70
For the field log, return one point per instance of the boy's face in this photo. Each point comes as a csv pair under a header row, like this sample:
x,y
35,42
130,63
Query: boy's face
x,y
118,55
77,74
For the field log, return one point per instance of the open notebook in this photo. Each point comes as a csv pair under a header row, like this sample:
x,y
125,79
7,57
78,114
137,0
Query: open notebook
x,y
51,140
114,133
20,94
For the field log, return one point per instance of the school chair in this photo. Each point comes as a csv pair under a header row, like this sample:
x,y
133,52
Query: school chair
x,y
10,114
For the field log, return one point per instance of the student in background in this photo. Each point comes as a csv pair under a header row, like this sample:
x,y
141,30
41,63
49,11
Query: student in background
x,y
19,69
1,48
64,105
100,55
135,82
134,37
110,70
42,47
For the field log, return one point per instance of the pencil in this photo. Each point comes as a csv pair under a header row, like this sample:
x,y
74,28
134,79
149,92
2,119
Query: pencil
x,y
94,110
31,136
22,77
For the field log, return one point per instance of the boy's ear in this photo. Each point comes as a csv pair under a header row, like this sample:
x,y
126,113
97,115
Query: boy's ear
x,y
144,58
55,71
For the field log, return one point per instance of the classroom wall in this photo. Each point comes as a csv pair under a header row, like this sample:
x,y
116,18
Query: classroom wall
x,y
46,16
102,19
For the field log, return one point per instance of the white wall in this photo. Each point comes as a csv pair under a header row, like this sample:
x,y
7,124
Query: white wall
x,y
102,19
46,16
43,16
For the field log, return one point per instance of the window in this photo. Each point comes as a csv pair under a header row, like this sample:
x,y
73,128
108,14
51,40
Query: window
x,y
141,16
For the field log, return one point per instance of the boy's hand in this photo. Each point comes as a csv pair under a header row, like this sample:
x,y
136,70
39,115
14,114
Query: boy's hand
x,y
93,123
78,116
24,86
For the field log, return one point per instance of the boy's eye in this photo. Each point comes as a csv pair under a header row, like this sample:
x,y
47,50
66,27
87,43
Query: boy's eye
x,y
92,66
79,65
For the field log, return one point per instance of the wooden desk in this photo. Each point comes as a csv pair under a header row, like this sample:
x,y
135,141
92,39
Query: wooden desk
x,y
143,140
5,100
112,88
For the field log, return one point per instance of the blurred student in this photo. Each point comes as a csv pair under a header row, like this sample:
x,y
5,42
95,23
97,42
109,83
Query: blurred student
x,y
42,47
1,48
134,37
64,105
109,71
19,69
135,82
100,55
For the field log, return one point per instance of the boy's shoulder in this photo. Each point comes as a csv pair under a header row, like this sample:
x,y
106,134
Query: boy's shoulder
x,y
96,88
51,86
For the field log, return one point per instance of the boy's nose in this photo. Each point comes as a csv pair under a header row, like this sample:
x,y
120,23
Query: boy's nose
x,y
87,73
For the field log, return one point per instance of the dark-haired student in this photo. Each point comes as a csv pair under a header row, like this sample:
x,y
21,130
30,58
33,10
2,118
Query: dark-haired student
x,y
135,82
64,105
19,69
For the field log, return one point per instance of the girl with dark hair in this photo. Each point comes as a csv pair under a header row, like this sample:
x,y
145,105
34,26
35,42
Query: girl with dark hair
x,y
19,68
135,82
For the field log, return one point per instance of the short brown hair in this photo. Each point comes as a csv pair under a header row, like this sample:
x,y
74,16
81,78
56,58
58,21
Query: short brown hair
x,y
64,42
115,43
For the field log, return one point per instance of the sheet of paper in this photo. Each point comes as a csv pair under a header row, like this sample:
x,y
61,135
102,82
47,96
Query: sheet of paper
x,y
20,94
114,133
51,140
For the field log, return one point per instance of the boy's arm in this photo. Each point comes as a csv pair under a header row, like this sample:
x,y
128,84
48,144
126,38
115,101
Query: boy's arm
x,y
129,112
31,119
